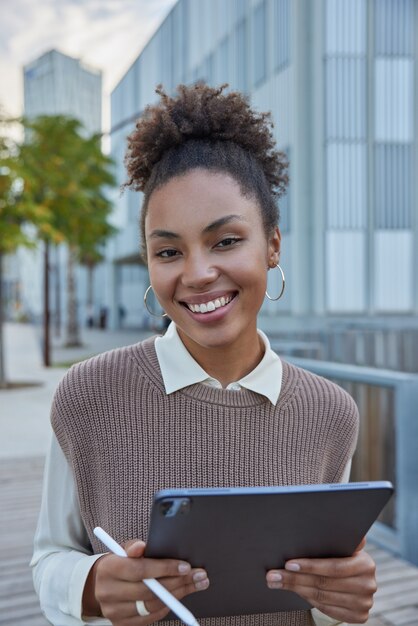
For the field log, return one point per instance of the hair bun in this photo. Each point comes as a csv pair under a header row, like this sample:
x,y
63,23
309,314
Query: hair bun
x,y
207,113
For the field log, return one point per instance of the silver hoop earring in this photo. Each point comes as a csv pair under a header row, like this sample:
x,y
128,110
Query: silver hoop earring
x,y
283,285
146,305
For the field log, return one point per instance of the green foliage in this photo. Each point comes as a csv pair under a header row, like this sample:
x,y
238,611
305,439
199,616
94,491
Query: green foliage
x,y
12,216
55,180
67,173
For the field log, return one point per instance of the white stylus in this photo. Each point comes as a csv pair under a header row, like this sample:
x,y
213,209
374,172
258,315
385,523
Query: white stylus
x,y
161,592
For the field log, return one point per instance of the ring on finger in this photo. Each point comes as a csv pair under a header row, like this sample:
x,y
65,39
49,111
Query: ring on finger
x,y
141,608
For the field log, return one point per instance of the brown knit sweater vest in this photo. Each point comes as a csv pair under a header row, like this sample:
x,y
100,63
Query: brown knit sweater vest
x,y
125,439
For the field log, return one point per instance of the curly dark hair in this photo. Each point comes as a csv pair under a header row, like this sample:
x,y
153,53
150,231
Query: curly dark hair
x,y
202,127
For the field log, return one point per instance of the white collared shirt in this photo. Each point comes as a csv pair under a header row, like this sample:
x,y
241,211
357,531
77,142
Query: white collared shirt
x,y
265,379
61,561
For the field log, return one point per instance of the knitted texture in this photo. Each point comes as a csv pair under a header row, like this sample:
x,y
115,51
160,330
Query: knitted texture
x,y
125,439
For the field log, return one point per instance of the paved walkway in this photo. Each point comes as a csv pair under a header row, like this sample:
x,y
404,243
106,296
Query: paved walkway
x,y
24,412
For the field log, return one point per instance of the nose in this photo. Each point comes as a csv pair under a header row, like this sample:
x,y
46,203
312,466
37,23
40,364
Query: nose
x,y
198,272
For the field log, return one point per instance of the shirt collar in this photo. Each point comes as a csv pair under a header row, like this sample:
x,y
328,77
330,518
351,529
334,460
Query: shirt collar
x,y
179,369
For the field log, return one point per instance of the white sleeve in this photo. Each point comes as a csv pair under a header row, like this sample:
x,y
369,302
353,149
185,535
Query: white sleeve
x,y
319,618
62,555
346,476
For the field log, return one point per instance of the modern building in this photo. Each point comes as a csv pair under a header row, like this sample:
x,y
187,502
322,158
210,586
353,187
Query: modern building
x,y
340,78
56,84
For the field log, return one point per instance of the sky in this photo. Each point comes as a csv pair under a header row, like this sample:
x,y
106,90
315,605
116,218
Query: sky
x,y
105,34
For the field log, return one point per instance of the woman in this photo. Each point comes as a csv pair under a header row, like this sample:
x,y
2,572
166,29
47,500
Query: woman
x,y
208,404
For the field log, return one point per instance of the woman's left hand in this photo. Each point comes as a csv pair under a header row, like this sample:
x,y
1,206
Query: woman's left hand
x,y
342,588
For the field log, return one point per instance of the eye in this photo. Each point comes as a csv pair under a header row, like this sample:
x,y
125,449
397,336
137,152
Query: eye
x,y
166,254
228,241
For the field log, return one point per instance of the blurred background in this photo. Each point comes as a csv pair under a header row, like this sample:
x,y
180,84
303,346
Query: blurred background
x,y
340,78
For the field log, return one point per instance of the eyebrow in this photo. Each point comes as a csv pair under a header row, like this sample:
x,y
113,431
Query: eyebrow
x,y
221,222
168,234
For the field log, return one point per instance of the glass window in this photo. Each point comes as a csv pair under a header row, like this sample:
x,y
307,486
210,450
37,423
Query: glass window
x,y
197,74
210,69
281,33
165,47
393,186
241,63
345,26
393,98
260,43
133,206
205,70
178,42
240,8
345,98
394,27
346,188
223,61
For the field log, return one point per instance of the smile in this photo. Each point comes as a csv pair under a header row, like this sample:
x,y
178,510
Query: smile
x,y
211,305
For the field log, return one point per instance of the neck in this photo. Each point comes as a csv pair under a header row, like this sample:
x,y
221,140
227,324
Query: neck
x,y
228,363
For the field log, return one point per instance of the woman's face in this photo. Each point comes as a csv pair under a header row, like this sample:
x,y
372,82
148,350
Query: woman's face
x,y
208,257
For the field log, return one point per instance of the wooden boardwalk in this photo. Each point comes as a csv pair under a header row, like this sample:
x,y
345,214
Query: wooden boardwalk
x,y
20,492
396,602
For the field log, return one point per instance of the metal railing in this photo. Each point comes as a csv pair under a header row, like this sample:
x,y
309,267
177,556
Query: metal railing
x,y
404,538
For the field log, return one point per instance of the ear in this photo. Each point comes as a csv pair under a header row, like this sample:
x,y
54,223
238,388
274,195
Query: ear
x,y
274,247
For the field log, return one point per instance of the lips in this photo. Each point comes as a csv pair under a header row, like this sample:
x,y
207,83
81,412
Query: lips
x,y
210,305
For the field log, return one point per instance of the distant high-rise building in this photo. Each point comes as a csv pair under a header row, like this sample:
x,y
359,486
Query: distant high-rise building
x,y
56,84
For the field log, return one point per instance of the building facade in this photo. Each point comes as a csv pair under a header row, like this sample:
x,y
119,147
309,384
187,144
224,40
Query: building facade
x,y
56,84
340,78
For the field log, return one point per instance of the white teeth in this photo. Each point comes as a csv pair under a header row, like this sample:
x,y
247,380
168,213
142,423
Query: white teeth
x,y
207,307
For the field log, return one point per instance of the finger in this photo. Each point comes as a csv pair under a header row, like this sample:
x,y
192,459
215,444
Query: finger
x,y
125,591
346,616
161,568
349,606
119,586
345,567
316,594
178,590
198,579
318,597
126,613
281,579
136,569
134,548
353,609
155,616
179,587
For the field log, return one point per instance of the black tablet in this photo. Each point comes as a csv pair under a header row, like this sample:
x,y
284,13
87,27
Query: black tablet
x,y
239,534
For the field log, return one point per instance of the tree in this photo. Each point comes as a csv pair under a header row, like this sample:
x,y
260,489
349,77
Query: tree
x,y
14,215
65,173
90,259
11,237
90,228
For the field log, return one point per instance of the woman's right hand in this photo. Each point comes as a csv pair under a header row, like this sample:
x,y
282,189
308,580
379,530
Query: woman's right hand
x,y
115,584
